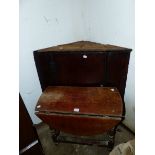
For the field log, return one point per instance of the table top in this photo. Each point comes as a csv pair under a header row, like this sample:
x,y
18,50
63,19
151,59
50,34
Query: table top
x,y
96,101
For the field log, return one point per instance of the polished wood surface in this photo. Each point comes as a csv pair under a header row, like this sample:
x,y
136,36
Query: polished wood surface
x,y
79,125
99,109
89,100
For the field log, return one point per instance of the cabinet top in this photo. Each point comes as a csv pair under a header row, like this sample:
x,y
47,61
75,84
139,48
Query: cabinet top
x,y
84,46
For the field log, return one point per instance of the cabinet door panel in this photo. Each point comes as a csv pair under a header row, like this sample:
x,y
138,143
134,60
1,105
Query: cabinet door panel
x,y
79,69
117,70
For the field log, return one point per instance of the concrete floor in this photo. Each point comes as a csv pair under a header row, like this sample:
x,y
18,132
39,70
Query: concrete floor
x,y
123,135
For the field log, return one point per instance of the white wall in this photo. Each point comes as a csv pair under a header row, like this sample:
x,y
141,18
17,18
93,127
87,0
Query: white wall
x,y
45,23
112,22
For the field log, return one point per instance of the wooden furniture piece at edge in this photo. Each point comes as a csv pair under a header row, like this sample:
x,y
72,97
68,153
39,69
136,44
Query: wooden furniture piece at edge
x,y
84,64
28,139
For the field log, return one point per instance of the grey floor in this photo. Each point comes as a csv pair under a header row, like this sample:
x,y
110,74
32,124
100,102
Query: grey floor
x,y
122,135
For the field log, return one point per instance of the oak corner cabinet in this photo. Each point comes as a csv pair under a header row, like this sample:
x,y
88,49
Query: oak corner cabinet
x,y
82,82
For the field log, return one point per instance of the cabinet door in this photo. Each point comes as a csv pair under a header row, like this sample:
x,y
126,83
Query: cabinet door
x,y
79,69
117,69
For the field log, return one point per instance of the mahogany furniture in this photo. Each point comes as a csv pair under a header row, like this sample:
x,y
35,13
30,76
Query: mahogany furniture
x,y
80,110
83,86
28,139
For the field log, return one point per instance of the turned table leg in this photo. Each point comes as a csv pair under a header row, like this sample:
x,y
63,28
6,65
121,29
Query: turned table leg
x,y
111,137
55,136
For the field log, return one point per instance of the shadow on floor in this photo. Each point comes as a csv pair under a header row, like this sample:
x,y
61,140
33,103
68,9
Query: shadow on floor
x,y
122,135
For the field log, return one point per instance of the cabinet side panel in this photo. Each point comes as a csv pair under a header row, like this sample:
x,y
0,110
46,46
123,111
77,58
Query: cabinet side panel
x,y
117,69
42,66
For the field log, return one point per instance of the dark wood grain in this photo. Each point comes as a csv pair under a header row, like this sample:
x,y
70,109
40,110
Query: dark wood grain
x,y
100,109
73,69
79,125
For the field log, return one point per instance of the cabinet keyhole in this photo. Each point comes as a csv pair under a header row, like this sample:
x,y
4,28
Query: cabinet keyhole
x,y
84,56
